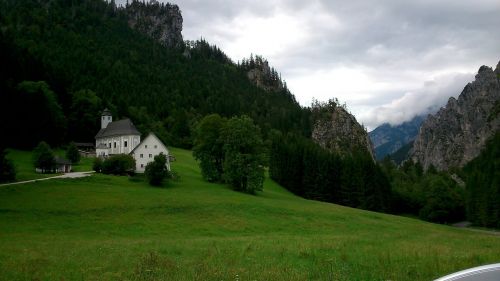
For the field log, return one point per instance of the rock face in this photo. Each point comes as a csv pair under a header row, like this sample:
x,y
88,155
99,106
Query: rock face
x,y
162,22
337,130
387,139
457,133
262,75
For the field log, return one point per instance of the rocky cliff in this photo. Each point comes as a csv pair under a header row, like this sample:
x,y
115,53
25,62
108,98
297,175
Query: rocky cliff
x,y
262,75
457,133
162,22
337,130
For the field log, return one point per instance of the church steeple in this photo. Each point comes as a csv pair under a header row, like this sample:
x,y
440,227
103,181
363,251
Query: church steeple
x,y
106,118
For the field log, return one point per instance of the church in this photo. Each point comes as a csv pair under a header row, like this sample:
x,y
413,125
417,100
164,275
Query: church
x,y
122,137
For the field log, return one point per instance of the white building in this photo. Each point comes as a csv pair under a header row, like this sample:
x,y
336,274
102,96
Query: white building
x,y
122,137
147,150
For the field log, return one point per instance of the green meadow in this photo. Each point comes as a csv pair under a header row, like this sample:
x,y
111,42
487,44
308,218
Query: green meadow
x,y
119,228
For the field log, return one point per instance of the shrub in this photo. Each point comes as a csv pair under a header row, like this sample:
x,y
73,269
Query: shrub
x,y
120,164
156,171
97,165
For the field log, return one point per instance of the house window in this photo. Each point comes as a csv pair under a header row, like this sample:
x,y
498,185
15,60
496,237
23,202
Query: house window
x,y
146,146
114,144
142,165
109,145
150,155
109,117
142,156
125,143
156,146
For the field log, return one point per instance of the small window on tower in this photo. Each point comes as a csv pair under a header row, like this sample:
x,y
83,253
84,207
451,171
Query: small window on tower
x,y
156,146
114,144
142,156
146,146
150,155
109,145
125,143
142,165
109,117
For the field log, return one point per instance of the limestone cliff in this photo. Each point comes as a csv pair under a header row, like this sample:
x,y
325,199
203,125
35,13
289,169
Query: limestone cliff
x,y
337,130
162,22
457,133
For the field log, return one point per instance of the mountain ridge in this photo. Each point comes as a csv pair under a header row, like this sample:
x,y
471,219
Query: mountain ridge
x,y
457,132
387,139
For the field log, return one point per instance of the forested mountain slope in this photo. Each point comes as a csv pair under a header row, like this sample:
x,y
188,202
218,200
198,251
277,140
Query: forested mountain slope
x,y
89,57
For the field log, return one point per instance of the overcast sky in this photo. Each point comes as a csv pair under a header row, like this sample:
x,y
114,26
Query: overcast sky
x,y
388,60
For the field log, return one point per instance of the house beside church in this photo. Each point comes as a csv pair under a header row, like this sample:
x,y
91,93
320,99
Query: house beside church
x,y
122,137
147,150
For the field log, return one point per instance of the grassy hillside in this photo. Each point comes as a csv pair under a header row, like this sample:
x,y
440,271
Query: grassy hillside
x,y
114,228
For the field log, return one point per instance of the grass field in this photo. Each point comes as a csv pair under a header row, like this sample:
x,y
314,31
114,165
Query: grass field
x,y
115,228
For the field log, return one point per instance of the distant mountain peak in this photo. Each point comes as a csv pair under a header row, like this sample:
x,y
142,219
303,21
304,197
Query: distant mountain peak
x,y
388,138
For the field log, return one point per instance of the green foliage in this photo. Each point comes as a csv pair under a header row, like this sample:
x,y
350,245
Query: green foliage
x,y
105,63
431,195
198,230
97,164
310,171
243,155
119,164
72,153
7,170
230,150
36,115
84,115
208,146
43,158
444,200
483,185
156,171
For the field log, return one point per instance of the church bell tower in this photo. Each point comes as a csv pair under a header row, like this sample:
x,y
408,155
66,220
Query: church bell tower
x,y
106,118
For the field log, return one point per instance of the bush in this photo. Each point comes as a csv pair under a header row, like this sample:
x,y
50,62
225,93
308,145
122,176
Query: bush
x,y
97,165
72,153
156,171
120,164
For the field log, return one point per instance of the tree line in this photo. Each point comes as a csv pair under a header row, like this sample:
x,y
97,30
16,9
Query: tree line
x,y
312,172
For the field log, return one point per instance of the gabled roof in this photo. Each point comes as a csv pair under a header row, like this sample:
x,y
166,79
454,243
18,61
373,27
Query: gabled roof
x,y
152,135
117,128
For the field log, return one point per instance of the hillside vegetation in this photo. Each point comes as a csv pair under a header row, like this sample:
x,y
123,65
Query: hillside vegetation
x,y
116,228
68,60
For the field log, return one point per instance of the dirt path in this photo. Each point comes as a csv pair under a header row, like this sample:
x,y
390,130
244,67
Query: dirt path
x,y
73,175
